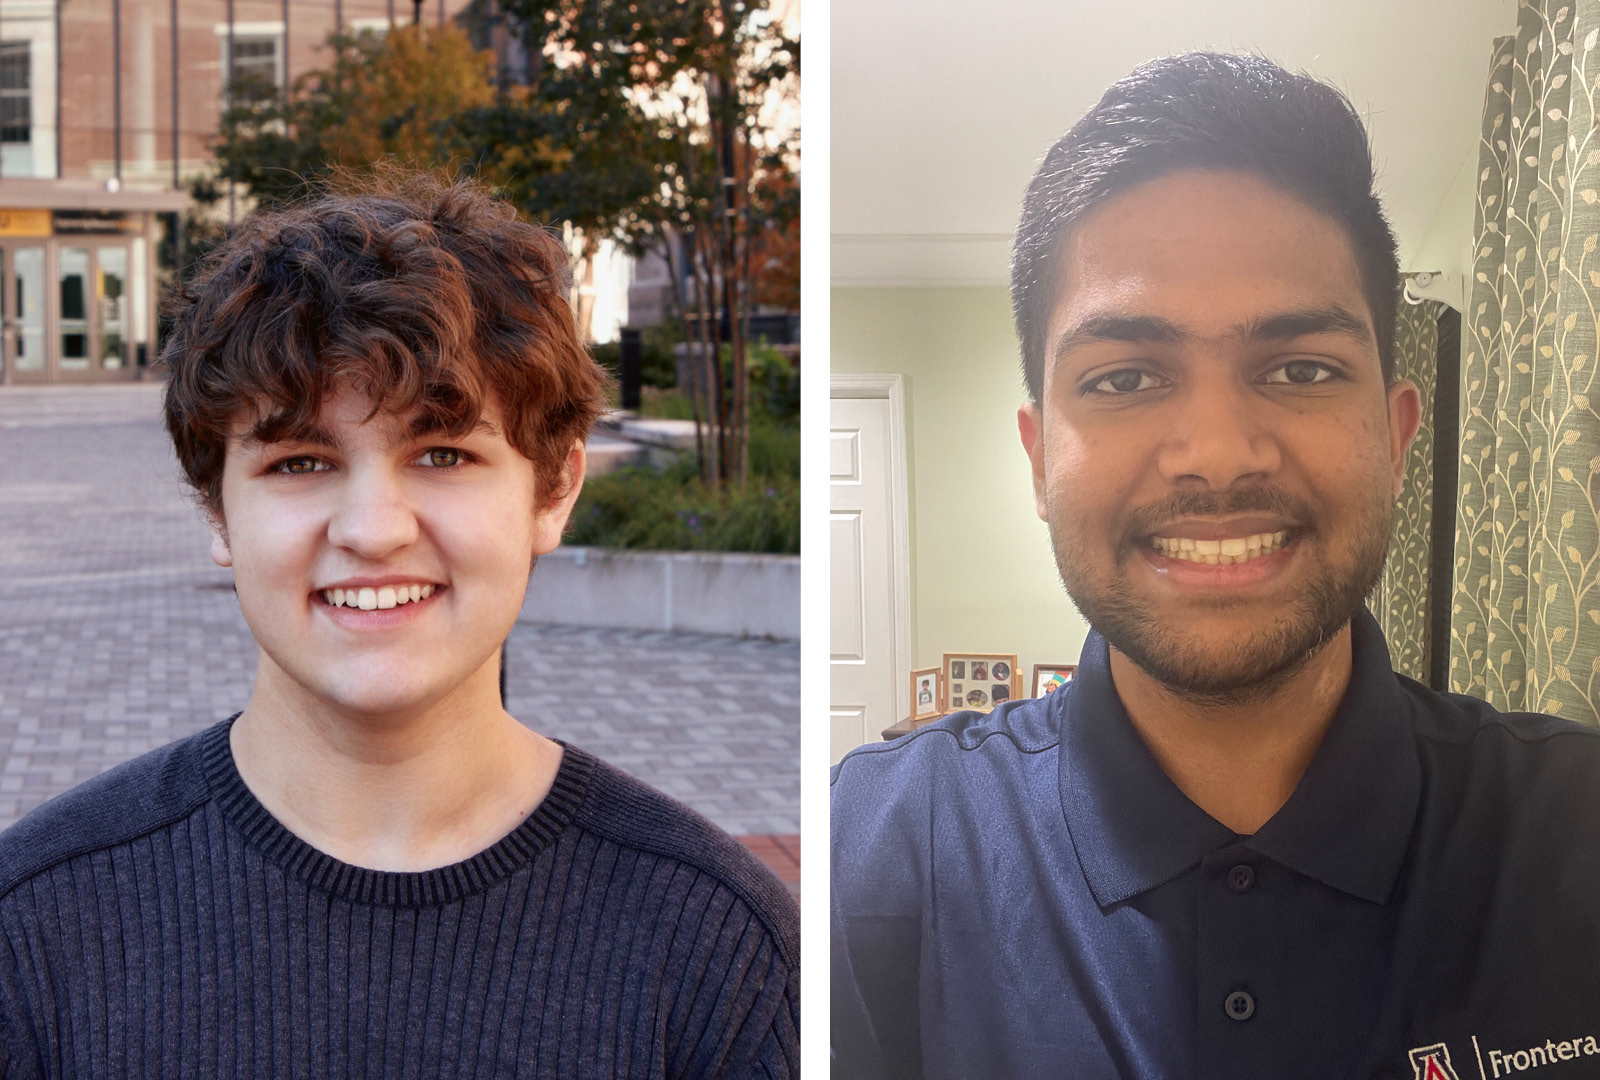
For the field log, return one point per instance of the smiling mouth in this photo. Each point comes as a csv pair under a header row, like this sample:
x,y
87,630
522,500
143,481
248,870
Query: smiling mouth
x,y
379,598
1225,552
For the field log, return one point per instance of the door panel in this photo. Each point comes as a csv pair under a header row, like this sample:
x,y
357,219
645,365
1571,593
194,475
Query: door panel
x,y
111,294
74,311
24,287
865,673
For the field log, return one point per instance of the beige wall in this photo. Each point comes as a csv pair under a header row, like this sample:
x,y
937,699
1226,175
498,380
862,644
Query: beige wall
x,y
982,576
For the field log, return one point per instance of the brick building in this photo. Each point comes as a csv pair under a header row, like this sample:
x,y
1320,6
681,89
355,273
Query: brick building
x,y
106,108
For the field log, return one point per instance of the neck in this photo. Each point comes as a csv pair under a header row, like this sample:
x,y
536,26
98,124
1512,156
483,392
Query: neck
x,y
1239,761
406,792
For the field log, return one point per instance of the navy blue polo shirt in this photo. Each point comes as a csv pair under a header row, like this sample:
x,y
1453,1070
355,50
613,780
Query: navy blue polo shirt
x,y
1026,894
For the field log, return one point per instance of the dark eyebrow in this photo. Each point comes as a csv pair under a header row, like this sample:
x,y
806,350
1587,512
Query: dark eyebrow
x,y
1324,320
1153,330
1138,329
315,434
264,435
425,425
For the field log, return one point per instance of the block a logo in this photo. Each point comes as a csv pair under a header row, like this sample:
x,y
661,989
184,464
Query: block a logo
x,y
1432,1063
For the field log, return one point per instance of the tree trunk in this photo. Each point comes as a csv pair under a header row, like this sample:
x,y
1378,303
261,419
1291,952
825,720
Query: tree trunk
x,y
692,365
583,287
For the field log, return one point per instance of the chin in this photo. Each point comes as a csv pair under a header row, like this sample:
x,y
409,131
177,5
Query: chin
x,y
1246,668
377,696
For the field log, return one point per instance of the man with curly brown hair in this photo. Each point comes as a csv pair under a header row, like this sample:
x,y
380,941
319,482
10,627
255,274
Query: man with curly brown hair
x,y
381,401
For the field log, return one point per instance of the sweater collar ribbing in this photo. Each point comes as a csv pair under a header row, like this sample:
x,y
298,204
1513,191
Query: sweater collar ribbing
x,y
442,885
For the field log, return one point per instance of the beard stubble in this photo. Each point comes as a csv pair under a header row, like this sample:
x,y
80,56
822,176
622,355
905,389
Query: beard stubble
x,y
1240,670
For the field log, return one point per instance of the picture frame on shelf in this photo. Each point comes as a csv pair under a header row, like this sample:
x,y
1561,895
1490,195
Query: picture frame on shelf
x,y
980,681
1048,677
927,693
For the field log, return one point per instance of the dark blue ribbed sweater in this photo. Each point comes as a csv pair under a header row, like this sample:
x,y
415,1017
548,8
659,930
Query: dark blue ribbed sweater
x,y
158,922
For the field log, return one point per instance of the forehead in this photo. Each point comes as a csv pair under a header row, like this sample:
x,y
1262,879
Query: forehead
x,y
1208,250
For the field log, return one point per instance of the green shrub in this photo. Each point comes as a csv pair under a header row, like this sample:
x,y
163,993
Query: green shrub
x,y
774,382
671,510
657,365
658,404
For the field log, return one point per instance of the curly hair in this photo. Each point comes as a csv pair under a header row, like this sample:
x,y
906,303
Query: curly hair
x,y
427,296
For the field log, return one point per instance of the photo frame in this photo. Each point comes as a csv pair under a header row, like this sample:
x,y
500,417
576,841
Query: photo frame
x,y
979,681
1048,677
927,693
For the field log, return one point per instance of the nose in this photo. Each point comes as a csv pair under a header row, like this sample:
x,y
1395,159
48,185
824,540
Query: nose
x,y
373,516
1221,436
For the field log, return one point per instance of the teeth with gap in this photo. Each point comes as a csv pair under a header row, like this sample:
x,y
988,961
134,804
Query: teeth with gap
x,y
377,599
1235,549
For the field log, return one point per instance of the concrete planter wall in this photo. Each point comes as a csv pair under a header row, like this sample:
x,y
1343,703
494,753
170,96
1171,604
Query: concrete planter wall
x,y
702,592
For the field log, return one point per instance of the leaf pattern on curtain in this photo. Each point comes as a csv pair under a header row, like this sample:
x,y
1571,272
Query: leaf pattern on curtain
x,y
1525,615
1400,602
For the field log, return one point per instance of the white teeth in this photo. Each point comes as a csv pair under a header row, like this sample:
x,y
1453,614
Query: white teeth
x,y
1226,552
378,598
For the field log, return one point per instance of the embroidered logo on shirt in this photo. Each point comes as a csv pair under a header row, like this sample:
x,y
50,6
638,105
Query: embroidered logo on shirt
x,y
1551,1053
1432,1063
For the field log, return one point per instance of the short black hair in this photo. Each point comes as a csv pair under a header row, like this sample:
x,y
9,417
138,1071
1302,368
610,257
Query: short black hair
x,y
1204,111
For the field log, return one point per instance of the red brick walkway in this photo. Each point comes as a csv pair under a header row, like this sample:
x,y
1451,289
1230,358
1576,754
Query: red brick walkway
x,y
780,853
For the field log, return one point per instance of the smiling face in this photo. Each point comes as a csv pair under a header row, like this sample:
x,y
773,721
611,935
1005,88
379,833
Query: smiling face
x,y
1215,450
325,536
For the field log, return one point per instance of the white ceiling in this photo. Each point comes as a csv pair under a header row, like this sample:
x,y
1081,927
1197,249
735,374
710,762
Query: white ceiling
x,y
940,113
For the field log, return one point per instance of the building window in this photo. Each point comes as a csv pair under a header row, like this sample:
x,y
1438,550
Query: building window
x,y
16,93
256,68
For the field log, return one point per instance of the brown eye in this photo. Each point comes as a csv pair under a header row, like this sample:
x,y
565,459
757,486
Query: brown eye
x,y
442,457
1301,373
298,466
1125,381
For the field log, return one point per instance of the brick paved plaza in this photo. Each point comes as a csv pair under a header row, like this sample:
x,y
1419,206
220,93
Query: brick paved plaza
x,y
118,634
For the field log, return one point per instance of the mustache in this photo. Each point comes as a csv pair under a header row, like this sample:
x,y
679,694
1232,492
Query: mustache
x,y
1147,521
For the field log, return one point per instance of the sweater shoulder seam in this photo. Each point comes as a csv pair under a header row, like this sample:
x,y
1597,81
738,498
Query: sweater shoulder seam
x,y
12,883
687,859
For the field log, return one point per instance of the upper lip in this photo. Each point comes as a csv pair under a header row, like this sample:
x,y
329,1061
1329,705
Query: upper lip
x,y
1224,528
377,582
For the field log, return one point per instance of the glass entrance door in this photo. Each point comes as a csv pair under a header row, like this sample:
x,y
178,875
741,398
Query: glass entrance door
x,y
111,305
65,310
22,312
72,314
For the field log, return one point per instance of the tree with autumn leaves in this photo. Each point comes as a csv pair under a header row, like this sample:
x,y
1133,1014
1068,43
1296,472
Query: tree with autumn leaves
x,y
657,124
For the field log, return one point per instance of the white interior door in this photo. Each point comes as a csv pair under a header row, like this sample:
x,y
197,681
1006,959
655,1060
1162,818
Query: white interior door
x,y
870,568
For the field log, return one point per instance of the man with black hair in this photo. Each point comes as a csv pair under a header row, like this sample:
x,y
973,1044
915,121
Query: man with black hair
x,y
1237,844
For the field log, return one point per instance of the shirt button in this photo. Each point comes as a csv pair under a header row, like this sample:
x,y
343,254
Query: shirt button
x,y
1242,878
1240,1005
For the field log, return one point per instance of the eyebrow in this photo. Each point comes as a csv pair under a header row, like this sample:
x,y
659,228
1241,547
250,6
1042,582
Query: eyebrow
x,y
316,435
1153,330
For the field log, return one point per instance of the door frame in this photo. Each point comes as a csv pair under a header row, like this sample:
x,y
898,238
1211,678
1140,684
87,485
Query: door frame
x,y
95,372
9,245
891,388
52,372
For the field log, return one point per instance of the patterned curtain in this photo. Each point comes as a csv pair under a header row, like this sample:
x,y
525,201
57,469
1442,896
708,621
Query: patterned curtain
x,y
1525,619
1401,601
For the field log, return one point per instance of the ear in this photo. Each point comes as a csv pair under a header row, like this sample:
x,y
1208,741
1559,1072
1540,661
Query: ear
x,y
219,545
1405,416
1030,425
550,521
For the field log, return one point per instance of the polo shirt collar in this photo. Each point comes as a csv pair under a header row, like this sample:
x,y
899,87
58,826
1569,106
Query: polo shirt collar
x,y
1347,824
